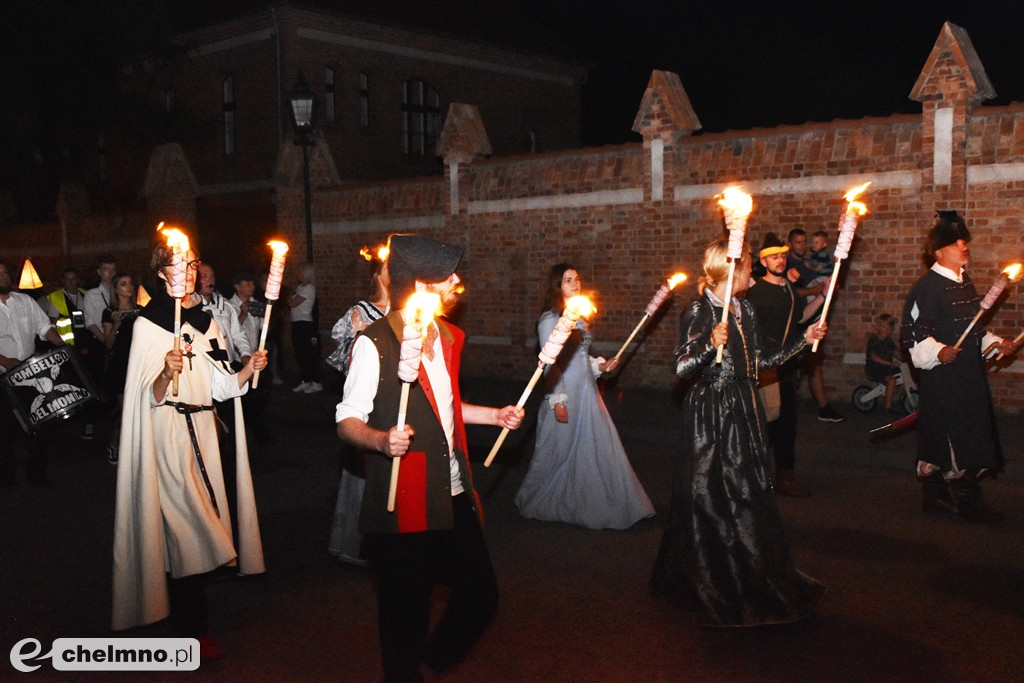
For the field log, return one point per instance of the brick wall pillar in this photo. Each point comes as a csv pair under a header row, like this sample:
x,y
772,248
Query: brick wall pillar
x,y
950,87
664,117
463,139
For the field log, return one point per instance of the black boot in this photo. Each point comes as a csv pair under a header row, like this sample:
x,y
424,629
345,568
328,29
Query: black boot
x,y
971,507
935,496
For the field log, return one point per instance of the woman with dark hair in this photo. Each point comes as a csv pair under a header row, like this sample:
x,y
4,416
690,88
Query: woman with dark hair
x,y
724,553
172,524
346,542
118,319
579,472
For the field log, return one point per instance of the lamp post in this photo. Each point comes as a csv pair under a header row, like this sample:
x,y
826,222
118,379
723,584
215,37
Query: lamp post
x,y
303,103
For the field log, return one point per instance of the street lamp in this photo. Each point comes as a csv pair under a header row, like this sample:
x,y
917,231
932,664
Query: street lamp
x,y
303,103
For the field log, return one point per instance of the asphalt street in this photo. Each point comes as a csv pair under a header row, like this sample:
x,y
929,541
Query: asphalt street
x,y
912,597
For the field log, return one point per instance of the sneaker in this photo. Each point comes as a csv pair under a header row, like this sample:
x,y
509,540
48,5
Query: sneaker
x,y
314,387
87,431
829,414
302,388
112,455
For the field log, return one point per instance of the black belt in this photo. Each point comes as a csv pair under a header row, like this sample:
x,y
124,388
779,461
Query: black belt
x,y
187,410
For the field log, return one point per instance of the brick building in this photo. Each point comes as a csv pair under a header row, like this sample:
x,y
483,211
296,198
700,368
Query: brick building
x,y
381,93
630,215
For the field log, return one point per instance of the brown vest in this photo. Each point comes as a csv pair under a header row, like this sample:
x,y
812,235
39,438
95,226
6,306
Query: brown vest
x,y
423,502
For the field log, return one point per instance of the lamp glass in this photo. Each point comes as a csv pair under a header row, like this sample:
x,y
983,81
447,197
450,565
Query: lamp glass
x,y
302,110
29,277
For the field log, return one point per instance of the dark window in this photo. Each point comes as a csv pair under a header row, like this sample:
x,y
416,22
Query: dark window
x,y
329,93
421,118
364,100
102,153
229,115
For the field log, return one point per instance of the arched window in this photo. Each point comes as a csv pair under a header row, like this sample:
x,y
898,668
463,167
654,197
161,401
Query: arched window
x,y
421,118
229,115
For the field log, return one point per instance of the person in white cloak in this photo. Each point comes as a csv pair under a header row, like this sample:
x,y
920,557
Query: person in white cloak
x,y
172,523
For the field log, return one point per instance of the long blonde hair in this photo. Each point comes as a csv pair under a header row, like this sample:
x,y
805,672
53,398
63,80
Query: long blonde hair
x,y
716,264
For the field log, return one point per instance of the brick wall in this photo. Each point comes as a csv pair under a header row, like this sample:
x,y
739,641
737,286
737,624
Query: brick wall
x,y
628,216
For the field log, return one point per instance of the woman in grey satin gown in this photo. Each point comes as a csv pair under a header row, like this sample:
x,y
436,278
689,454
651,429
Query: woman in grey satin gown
x,y
724,554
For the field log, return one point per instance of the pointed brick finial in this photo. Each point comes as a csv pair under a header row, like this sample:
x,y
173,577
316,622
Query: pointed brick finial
x,y
169,172
665,110
463,137
953,69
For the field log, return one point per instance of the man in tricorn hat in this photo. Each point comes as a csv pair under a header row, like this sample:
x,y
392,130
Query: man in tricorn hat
x,y
957,440
434,534
779,308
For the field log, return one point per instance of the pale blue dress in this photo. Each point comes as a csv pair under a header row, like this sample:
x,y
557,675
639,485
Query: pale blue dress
x,y
579,472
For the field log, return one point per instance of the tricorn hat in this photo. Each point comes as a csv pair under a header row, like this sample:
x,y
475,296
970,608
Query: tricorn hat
x,y
772,245
413,257
949,227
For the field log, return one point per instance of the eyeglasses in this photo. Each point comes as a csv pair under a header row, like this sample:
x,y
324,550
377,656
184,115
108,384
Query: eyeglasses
x,y
191,265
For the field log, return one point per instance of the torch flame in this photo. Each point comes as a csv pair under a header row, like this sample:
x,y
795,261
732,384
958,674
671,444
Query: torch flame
x,y
676,279
382,253
581,305
1012,271
176,239
857,207
735,200
420,309
278,247
856,191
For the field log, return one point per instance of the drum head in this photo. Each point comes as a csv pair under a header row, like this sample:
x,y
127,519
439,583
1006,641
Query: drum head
x,y
51,386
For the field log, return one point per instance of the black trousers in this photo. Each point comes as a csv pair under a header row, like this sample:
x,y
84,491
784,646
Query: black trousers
x,y
307,349
11,437
190,612
407,567
782,432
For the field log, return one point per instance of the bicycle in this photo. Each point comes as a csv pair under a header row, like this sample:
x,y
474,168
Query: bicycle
x,y
871,393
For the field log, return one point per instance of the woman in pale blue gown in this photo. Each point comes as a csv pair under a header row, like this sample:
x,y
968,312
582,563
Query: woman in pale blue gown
x,y
579,472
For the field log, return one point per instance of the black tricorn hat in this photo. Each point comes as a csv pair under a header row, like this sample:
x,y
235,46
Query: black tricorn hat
x,y
772,245
949,227
414,257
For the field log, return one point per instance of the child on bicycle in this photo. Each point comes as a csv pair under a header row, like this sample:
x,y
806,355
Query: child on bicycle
x,y
880,361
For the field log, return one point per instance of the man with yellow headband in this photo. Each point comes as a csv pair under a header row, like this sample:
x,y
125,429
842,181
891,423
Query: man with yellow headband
x,y
779,310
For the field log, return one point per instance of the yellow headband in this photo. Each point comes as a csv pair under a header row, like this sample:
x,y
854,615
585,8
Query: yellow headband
x,y
768,251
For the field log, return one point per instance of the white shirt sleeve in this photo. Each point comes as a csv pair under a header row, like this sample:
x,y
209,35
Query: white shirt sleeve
x,y
94,305
925,353
361,382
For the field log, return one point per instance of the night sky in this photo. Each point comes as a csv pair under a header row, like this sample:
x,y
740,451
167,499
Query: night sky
x,y
744,63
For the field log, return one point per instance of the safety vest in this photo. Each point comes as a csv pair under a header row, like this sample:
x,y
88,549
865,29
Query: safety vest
x,y
64,326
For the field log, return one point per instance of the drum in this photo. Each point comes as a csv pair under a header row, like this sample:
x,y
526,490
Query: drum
x,y
47,387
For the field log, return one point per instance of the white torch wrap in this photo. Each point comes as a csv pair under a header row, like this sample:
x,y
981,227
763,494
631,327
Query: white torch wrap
x,y
847,228
994,291
274,277
409,356
553,346
658,299
178,268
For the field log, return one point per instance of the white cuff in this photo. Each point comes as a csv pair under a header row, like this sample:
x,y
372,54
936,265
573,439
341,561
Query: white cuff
x,y
557,399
